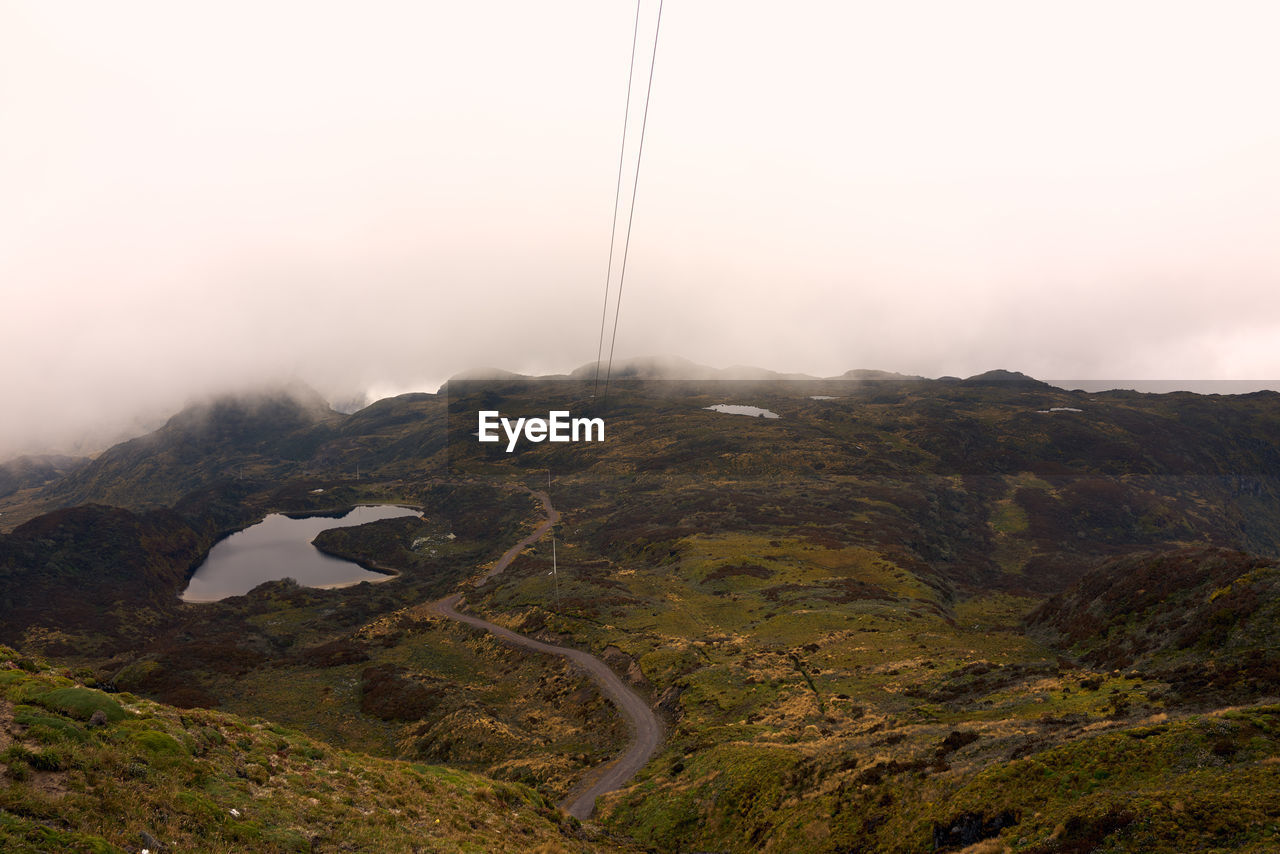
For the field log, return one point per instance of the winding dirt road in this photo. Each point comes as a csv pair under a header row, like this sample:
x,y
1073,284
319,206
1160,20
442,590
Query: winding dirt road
x,y
646,731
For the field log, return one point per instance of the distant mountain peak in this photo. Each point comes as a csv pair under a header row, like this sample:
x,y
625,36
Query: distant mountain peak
x,y
35,470
1006,379
878,376
486,373
672,367
293,402
666,367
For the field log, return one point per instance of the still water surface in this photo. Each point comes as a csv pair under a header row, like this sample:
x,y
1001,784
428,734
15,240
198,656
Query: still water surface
x,y
734,409
280,547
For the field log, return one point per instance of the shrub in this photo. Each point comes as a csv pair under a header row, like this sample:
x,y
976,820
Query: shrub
x,y
159,743
80,703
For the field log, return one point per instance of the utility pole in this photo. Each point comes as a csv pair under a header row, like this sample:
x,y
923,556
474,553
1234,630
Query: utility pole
x,y
555,575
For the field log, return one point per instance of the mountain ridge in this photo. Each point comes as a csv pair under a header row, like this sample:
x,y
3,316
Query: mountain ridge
x,y
829,610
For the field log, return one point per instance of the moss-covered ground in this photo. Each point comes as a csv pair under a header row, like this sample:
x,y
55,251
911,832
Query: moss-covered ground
x,y
915,617
87,771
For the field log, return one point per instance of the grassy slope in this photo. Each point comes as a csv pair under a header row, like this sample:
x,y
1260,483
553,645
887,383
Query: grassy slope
x,y
1206,620
365,669
826,701
201,780
829,608
834,641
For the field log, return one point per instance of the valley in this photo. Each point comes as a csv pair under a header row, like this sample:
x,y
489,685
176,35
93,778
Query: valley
x,y
904,615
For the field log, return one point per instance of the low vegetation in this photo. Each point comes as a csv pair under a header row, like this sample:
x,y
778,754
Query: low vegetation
x,y
983,615
85,771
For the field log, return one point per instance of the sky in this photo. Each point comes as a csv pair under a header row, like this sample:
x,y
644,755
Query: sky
x,y
372,197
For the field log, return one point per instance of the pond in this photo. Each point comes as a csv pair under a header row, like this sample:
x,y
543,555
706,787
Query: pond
x,y
280,547
734,409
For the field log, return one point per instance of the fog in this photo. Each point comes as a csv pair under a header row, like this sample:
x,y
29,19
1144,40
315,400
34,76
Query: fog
x,y
372,197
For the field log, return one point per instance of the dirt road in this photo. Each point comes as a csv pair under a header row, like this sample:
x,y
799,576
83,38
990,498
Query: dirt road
x,y
646,730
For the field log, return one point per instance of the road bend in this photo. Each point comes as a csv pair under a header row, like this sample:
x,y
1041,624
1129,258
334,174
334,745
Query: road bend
x,y
645,729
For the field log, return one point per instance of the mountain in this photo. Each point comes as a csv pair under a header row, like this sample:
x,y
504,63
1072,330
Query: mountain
x,y
678,368
648,368
268,433
28,471
878,376
906,615
1206,621
486,373
1006,379
108,574
209,781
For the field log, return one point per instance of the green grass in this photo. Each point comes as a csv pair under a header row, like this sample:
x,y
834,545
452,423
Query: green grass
x,y
831,612
79,703
807,717
200,780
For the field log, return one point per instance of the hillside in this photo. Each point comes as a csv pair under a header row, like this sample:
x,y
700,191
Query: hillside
x,y
31,471
1207,621
268,434
100,571
86,771
905,615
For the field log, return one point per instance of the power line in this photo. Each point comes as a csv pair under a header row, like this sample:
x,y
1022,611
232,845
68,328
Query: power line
x,y
617,198
626,246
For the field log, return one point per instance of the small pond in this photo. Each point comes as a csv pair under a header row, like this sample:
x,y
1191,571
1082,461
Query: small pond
x,y
280,547
734,409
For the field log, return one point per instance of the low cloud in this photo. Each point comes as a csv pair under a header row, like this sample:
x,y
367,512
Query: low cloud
x,y
371,201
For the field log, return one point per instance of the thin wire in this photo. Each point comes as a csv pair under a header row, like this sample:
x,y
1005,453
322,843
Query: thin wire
x,y
626,246
617,197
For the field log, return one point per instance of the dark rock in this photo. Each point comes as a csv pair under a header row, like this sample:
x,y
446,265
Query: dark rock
x,y
153,845
669,704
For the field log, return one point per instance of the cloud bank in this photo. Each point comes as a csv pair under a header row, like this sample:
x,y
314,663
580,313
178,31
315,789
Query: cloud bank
x,y
379,197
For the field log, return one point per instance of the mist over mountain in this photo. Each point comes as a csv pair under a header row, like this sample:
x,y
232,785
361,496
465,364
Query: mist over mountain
x,y
906,615
942,516
348,229
85,434
25,472
106,426
265,430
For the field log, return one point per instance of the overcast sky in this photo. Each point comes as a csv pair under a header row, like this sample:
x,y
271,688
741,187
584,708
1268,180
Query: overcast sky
x,y
377,195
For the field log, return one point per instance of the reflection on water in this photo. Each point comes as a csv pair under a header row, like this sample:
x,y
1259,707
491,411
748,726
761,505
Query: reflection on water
x,y
734,409
280,547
